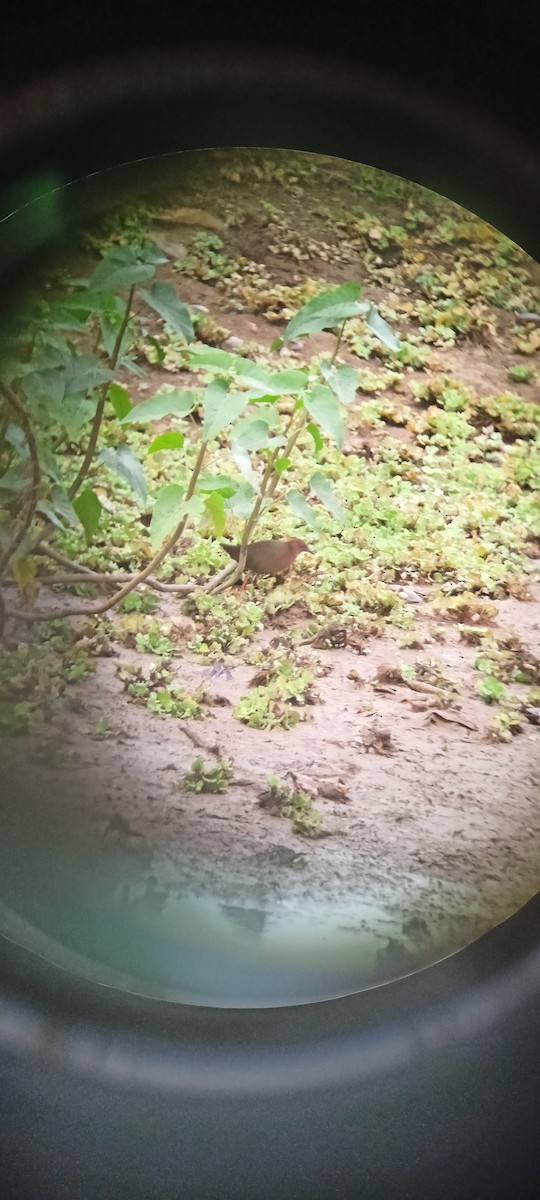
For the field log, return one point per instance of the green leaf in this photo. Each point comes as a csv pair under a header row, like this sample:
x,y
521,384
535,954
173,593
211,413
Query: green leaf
x,y
73,414
44,385
221,407
120,269
490,689
151,253
281,465
322,489
120,400
88,508
270,383
123,462
252,374
71,312
214,507
343,381
168,511
210,358
241,504
217,483
377,325
109,329
15,437
49,462
288,383
269,414
163,404
326,311
241,457
62,506
314,431
15,479
50,514
173,440
302,509
322,405
253,434
164,300
83,373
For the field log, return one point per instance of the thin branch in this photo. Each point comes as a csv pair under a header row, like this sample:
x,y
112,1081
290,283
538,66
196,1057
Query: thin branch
x,y
338,344
135,580
82,574
25,519
46,551
3,430
218,582
225,579
98,415
93,578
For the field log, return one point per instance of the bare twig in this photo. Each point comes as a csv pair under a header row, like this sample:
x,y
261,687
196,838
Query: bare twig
x,y
200,742
94,578
214,584
338,344
82,574
47,551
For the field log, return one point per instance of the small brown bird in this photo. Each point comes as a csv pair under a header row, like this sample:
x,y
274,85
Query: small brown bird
x,y
271,557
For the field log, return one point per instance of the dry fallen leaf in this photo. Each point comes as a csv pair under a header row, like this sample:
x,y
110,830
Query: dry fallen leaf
x,y
333,790
418,685
191,216
379,740
444,716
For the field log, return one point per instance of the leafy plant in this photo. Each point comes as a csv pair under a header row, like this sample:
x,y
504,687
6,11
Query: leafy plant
x,y
490,689
505,725
224,625
519,373
306,820
279,689
202,778
158,690
62,392
100,730
139,602
265,708
153,642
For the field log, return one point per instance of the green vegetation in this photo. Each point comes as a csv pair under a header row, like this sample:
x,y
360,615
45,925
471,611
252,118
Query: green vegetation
x,y
116,493
157,689
202,778
280,799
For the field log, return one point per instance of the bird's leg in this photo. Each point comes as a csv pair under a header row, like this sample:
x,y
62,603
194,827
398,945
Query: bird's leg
x,y
244,584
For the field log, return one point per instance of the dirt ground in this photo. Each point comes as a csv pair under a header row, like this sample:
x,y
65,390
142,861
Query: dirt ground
x,y
434,844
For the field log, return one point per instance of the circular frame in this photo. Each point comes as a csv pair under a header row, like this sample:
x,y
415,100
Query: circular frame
x,y
305,1101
